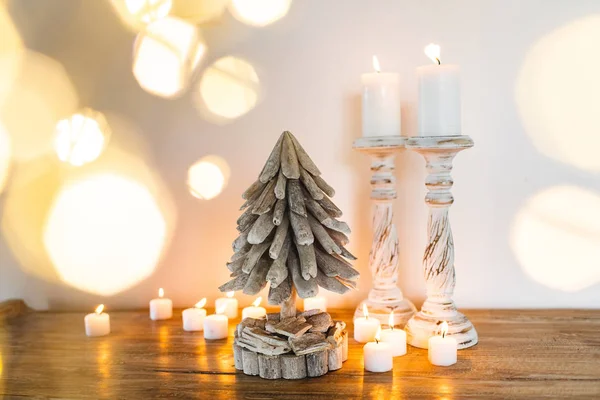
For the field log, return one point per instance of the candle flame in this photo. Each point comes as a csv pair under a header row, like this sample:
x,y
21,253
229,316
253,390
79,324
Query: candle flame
x,y
365,311
161,292
378,335
376,65
257,302
221,309
99,309
444,329
230,294
391,321
433,52
201,303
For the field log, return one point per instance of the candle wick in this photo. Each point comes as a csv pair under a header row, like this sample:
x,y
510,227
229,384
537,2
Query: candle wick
x,y
443,335
438,60
376,340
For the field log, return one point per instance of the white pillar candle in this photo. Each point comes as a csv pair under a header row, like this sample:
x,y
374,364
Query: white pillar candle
x,y
380,103
315,303
230,304
378,356
442,349
97,323
439,97
216,326
396,338
254,311
365,328
161,308
193,318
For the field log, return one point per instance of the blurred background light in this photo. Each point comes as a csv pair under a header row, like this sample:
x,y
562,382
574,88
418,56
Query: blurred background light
x,y
558,97
138,13
199,11
10,52
228,89
81,138
5,156
166,54
556,238
259,12
208,177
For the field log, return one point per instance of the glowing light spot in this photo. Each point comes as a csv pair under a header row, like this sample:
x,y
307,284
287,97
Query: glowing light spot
x,y
208,177
556,238
557,94
161,293
137,13
104,233
5,156
259,12
201,303
166,54
228,88
230,294
10,52
99,309
199,11
257,302
81,138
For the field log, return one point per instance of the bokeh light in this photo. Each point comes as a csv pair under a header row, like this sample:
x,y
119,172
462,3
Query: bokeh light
x,y
228,89
208,177
81,138
5,156
557,94
104,233
199,11
11,47
138,13
166,54
259,12
556,238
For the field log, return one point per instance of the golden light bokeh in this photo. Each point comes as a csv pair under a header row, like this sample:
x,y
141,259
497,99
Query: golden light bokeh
x,y
104,233
81,138
259,12
557,94
199,11
556,238
208,177
228,89
11,47
5,156
166,54
136,14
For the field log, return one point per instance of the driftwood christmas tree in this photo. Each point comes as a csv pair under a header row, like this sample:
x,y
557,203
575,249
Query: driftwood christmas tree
x,y
291,238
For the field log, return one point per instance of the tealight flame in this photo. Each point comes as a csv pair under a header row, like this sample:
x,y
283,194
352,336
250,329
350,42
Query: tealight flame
x,y
365,311
376,65
221,309
391,321
201,303
433,52
99,309
230,294
161,292
257,302
444,329
378,335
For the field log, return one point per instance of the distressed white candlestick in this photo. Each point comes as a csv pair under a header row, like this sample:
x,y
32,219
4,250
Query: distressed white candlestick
x,y
438,260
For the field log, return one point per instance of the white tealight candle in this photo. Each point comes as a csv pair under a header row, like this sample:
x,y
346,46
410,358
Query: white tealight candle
x,y
97,323
216,325
442,350
193,318
365,328
254,311
378,356
380,103
161,308
396,338
230,304
439,97
315,303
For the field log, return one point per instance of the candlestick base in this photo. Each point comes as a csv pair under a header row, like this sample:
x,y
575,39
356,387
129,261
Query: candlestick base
x,y
403,310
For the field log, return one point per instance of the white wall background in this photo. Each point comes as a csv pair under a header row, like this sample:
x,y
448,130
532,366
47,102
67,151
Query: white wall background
x,y
309,65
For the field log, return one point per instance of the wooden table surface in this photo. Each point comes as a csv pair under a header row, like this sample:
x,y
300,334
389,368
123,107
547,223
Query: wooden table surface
x,y
521,354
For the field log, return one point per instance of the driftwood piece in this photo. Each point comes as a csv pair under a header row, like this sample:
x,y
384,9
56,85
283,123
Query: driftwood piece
x,y
330,207
246,220
288,307
261,229
339,237
280,186
309,343
269,367
311,186
317,363
254,255
334,333
273,317
237,357
344,346
315,208
295,197
272,165
289,160
281,234
309,313
281,293
305,288
335,266
264,336
292,327
347,254
293,366
334,358
336,225
331,283
278,211
324,186
320,234
301,228
250,322
279,271
266,201
256,187
320,322
303,157
250,360
235,284
308,261
351,283
236,265
258,346
241,241
241,253
258,278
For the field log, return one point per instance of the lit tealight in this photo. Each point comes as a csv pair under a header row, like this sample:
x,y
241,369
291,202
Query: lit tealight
x,y
433,52
97,323
81,138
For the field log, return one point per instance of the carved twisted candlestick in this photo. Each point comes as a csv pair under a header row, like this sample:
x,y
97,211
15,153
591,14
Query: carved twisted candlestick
x,y
438,260
385,296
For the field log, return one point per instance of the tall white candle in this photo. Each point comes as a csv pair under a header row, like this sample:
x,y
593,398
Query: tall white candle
x,y
97,323
254,311
439,96
442,349
378,356
216,325
161,308
193,318
380,103
396,338
315,303
365,328
230,303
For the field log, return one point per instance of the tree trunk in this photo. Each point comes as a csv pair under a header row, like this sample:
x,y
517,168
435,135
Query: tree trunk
x,y
288,307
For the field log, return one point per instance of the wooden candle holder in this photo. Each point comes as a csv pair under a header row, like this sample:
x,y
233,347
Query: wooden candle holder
x,y
438,260
385,296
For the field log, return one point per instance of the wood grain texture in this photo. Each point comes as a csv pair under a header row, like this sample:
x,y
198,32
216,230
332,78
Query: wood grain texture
x,y
521,354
